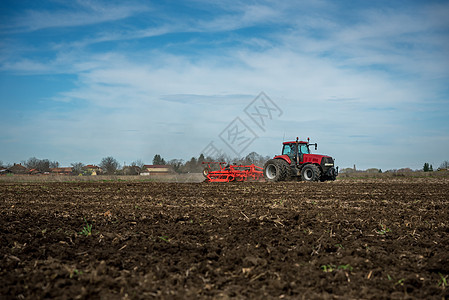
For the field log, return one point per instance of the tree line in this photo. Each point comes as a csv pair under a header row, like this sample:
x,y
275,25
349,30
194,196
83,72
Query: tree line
x,y
426,168
109,165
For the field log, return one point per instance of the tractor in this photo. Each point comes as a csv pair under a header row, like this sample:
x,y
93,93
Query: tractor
x,y
297,163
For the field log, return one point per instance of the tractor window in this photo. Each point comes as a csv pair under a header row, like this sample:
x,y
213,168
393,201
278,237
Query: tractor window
x,y
288,150
304,149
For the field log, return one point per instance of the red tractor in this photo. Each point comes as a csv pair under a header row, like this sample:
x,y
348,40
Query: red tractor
x,y
296,162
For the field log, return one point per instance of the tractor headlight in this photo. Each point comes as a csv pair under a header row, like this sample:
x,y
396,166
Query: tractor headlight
x,y
328,164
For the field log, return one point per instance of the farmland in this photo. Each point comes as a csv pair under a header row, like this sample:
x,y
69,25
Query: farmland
x,y
370,238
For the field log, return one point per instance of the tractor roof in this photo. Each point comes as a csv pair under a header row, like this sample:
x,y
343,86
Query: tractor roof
x,y
294,142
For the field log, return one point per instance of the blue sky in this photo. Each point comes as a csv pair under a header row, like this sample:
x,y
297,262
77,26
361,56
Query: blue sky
x,y
81,80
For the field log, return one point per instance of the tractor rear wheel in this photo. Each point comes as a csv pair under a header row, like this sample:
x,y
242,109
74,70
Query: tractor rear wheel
x,y
287,170
310,173
274,170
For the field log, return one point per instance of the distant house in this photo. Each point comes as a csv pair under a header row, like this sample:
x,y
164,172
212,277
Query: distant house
x,y
18,169
4,171
131,170
157,170
92,169
61,171
35,172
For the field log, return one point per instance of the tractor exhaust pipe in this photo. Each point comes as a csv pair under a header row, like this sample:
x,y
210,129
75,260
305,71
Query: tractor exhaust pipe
x,y
308,143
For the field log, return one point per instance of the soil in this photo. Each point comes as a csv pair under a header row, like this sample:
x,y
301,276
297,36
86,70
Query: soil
x,y
360,239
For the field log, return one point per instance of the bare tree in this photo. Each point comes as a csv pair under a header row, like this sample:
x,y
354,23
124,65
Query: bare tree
x,y
223,158
138,163
253,158
5,165
41,165
109,165
54,164
176,164
134,168
77,168
444,165
31,163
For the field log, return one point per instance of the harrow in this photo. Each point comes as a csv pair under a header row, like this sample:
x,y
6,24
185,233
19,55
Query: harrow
x,y
228,173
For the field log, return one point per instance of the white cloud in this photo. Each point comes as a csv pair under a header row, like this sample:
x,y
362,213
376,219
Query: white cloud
x,y
25,65
116,36
410,41
244,16
80,13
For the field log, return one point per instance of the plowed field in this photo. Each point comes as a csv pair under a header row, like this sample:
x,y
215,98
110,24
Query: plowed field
x,y
334,240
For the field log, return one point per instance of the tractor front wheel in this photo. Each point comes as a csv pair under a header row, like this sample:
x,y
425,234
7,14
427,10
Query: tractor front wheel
x,y
310,173
274,170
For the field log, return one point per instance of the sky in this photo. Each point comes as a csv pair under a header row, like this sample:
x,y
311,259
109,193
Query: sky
x,y
82,80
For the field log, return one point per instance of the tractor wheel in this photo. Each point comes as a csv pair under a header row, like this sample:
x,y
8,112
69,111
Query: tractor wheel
x,y
287,170
206,171
310,173
274,170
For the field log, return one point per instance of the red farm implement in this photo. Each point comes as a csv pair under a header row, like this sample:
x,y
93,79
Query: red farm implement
x,y
228,173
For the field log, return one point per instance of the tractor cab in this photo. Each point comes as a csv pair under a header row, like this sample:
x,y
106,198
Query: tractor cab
x,y
289,149
295,150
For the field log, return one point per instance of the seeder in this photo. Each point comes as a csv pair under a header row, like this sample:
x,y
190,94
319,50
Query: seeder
x,y
228,173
